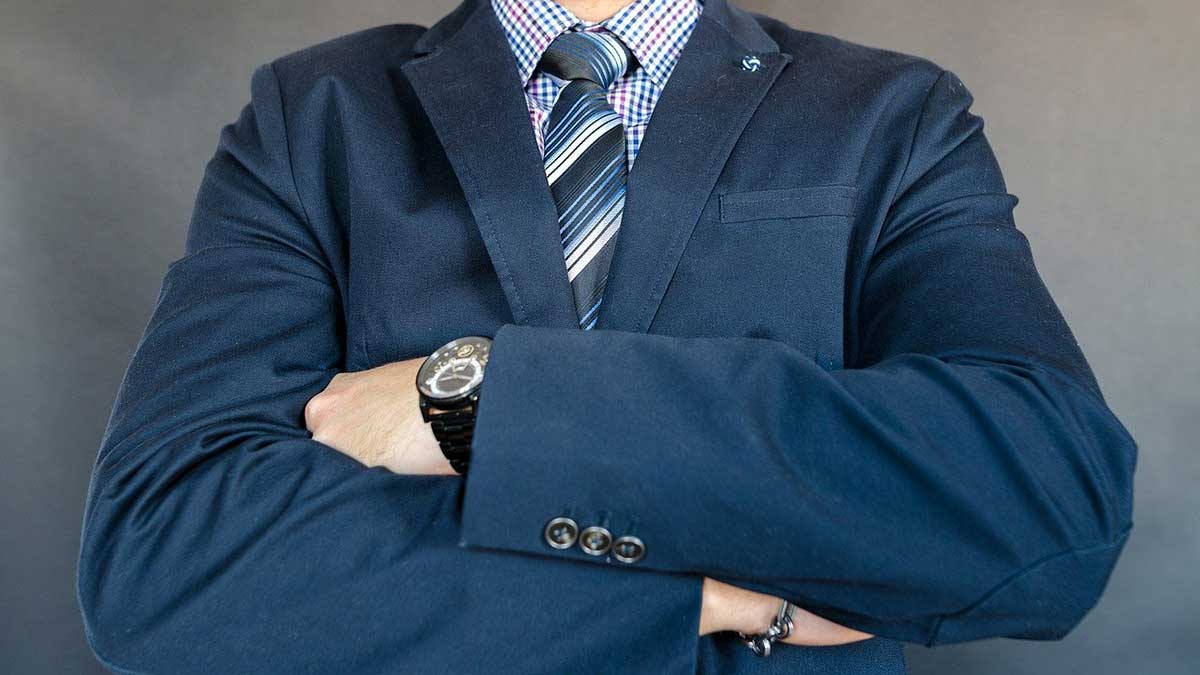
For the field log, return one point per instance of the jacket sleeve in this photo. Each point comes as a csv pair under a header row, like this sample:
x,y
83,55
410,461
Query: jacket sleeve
x,y
220,538
961,478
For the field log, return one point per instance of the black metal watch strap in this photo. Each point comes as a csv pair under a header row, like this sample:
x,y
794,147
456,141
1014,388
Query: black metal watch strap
x,y
454,430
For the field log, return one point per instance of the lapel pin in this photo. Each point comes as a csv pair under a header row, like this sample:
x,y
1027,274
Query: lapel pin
x,y
751,63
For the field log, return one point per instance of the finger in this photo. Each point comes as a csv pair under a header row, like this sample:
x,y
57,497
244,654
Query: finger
x,y
810,630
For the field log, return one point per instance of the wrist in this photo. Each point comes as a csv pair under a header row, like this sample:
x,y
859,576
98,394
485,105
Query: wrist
x,y
448,384
725,607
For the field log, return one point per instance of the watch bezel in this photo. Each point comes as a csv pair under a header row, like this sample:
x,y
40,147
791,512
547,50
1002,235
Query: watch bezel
x,y
441,402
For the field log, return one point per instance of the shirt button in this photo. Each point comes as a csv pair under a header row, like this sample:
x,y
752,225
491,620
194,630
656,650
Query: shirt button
x,y
595,540
629,549
561,533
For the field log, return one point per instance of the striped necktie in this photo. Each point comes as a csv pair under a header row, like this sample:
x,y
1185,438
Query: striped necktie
x,y
585,159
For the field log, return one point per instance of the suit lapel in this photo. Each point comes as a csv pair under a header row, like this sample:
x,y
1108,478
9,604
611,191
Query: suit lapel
x,y
466,78
468,85
702,111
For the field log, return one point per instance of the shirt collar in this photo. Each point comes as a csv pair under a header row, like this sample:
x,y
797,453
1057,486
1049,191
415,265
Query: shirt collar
x,y
654,30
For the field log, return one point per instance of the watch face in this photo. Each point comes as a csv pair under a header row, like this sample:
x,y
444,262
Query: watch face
x,y
455,370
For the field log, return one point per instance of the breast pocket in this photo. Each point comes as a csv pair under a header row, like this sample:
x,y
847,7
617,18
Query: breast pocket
x,y
785,203
767,263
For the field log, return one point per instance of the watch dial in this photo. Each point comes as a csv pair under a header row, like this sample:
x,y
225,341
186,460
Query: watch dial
x,y
455,370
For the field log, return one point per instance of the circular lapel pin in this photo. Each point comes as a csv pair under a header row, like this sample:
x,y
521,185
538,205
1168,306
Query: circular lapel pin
x,y
751,63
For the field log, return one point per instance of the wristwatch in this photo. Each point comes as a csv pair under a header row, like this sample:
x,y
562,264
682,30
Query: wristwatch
x,y
448,383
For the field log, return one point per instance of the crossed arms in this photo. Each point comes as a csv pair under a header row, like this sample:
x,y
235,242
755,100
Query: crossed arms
x,y
373,416
961,479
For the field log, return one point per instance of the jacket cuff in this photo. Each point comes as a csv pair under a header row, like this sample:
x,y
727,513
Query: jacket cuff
x,y
523,474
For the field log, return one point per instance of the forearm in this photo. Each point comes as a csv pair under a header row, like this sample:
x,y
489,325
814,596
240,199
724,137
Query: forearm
x,y
219,536
277,554
371,416
883,498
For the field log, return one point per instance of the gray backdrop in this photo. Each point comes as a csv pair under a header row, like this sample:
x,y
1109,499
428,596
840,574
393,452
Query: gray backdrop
x,y
109,110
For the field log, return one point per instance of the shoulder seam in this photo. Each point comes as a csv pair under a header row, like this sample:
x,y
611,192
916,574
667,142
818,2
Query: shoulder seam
x,y
912,144
287,145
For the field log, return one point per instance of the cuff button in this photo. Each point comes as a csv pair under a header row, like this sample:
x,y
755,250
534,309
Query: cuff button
x,y
561,533
595,540
629,549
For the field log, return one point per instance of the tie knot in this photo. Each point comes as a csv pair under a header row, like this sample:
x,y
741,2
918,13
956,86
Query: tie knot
x,y
597,56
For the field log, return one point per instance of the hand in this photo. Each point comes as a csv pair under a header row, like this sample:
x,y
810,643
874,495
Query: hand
x,y
730,608
374,416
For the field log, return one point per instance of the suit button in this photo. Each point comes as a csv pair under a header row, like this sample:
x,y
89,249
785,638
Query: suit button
x,y
561,532
629,549
595,540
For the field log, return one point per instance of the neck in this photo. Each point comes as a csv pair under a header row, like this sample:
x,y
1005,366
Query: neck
x,y
594,10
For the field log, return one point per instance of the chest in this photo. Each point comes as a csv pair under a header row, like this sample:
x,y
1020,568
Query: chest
x,y
765,259
431,251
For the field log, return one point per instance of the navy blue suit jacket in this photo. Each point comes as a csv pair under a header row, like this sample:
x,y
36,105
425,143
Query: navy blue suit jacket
x,y
825,368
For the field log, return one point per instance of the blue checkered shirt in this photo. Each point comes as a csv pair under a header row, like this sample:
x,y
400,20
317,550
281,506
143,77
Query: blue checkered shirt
x,y
654,30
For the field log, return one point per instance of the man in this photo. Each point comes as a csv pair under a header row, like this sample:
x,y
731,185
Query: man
x,y
770,368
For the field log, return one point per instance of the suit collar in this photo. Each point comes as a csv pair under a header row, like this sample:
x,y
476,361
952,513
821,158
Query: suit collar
x,y
466,79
